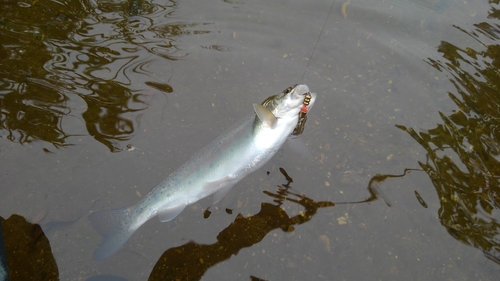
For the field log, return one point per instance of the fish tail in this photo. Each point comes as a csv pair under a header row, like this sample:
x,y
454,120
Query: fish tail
x,y
114,226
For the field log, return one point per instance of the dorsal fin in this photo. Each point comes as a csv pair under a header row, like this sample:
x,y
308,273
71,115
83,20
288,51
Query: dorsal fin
x,y
265,115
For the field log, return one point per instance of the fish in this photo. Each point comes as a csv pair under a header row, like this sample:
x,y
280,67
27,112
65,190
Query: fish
x,y
214,170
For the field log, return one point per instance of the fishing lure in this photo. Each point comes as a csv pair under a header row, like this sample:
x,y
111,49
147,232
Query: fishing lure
x,y
302,116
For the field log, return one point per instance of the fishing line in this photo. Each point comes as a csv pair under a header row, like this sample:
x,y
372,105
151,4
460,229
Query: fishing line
x,y
321,32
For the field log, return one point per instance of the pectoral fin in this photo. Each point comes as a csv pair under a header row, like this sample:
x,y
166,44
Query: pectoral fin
x,y
170,213
222,187
265,115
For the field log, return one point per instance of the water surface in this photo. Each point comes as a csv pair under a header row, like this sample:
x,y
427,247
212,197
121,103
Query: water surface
x,y
99,101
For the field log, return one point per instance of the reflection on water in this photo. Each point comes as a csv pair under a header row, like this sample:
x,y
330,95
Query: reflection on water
x,y
463,153
191,260
28,116
84,68
106,113
25,252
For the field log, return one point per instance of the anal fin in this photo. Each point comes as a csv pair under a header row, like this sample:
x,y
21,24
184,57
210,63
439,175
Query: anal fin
x,y
222,187
169,214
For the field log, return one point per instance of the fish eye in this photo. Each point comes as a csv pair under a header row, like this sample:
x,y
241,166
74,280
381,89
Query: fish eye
x,y
289,89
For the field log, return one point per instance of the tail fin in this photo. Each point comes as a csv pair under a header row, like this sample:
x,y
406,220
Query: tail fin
x,y
114,225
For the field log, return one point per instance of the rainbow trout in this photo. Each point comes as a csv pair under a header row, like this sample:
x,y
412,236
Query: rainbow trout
x,y
214,170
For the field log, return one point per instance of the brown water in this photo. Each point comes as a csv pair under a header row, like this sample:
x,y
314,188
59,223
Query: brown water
x,y
99,101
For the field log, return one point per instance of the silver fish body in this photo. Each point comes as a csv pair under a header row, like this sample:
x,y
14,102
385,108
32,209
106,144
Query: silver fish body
x,y
214,170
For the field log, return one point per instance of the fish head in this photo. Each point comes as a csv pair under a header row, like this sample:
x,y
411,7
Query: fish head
x,y
281,115
292,102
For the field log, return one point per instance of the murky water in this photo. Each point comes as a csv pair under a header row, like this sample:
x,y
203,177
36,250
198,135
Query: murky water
x,y
99,101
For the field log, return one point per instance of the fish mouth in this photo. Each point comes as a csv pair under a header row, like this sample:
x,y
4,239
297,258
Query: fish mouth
x,y
302,92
